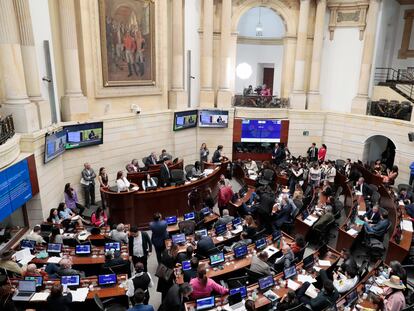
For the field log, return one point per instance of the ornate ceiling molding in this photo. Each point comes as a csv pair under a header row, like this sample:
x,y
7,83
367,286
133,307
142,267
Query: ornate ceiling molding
x,y
348,14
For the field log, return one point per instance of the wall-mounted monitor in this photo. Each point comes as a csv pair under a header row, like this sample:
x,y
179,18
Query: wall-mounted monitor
x,y
261,131
54,145
83,135
185,119
213,118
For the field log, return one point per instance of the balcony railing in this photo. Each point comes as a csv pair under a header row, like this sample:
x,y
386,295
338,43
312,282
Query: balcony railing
x,y
257,101
390,109
6,128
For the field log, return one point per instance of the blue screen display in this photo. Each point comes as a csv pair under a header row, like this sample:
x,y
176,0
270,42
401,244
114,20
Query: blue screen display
x,y
216,259
112,245
261,131
70,280
261,243
189,216
240,251
171,220
54,145
38,279
15,188
242,290
266,282
107,279
236,222
27,244
202,232
205,303
186,265
213,118
178,238
220,229
83,249
54,248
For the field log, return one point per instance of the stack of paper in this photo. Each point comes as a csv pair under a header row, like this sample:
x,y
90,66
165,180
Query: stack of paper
x,y
361,213
324,263
311,292
407,225
293,285
208,171
306,278
80,294
54,259
352,232
24,256
271,250
42,296
310,220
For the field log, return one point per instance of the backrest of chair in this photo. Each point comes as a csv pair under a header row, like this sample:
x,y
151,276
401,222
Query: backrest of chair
x,y
237,281
298,308
338,192
188,168
144,159
373,187
299,255
268,174
187,226
177,175
98,302
363,269
253,276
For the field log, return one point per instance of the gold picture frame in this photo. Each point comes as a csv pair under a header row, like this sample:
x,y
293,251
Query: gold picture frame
x,y
127,39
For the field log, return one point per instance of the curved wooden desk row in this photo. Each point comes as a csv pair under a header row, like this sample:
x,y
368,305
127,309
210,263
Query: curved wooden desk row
x,y
138,207
154,171
278,289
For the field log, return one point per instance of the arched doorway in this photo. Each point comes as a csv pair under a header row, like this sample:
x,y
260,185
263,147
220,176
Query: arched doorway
x,y
259,53
379,147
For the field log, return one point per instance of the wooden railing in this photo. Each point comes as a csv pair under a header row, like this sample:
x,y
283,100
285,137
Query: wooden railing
x,y
6,128
258,101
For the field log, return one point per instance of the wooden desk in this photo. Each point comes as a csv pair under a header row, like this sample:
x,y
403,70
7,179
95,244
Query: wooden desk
x,y
234,206
154,171
262,301
138,207
209,219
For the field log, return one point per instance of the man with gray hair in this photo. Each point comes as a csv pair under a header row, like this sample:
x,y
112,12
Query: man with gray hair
x,y
324,220
119,234
88,185
66,268
225,219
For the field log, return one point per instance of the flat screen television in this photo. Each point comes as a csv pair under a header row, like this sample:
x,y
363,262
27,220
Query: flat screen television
x,y
185,119
54,145
261,131
83,135
213,118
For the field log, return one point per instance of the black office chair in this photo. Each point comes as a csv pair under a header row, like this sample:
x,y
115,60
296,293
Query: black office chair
x,y
188,170
252,276
267,177
299,255
339,207
300,307
378,236
363,269
215,250
108,304
260,234
177,177
238,281
289,225
187,226
118,269
144,160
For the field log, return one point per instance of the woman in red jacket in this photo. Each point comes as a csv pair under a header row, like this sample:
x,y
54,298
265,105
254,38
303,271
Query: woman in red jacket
x,y
322,153
99,218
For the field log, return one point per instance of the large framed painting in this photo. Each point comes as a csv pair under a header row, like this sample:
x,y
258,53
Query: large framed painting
x,y
127,42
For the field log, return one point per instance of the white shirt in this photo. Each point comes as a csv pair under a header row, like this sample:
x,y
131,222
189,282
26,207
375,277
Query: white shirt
x,y
344,284
148,183
137,248
330,174
130,284
122,184
251,167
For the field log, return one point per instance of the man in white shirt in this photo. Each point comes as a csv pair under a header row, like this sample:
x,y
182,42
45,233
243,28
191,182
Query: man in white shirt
x,y
35,235
251,167
141,280
330,173
342,282
140,246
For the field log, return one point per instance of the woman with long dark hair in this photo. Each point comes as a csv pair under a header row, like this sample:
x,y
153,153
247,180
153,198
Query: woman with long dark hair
x,y
71,200
99,218
203,286
54,216
204,152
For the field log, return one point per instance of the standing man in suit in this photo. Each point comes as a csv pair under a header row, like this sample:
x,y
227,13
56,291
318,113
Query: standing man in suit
x,y
165,175
373,216
88,185
284,212
159,234
278,154
140,247
151,159
313,153
217,157
362,187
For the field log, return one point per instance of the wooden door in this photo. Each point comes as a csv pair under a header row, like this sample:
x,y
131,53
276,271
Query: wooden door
x,y
268,74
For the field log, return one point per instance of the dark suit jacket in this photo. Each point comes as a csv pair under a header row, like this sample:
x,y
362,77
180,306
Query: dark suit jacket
x,y
159,233
146,244
165,176
61,303
309,152
115,262
323,300
204,245
366,190
375,219
89,177
216,156
149,161
284,215
323,221
278,155
173,300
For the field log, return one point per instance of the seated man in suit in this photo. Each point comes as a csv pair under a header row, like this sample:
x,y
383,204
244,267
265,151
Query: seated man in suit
x,y
286,260
151,159
165,155
244,240
379,229
149,182
362,187
225,219
373,216
347,261
325,219
113,258
66,268
204,245
327,297
283,213
259,264
165,175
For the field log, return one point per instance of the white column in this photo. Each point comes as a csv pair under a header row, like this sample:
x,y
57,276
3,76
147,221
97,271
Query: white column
x,y
16,100
359,103
74,103
177,95
207,92
298,98
31,72
224,95
314,97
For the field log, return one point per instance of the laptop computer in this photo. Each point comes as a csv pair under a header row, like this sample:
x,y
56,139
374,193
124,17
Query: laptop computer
x,y
308,262
261,244
83,250
240,252
28,244
26,290
205,303
202,232
276,235
116,246
205,211
186,265
171,220
54,249
71,281
266,283
221,229
235,301
236,222
45,230
351,298
107,280
37,279
289,272
217,259
189,216
178,238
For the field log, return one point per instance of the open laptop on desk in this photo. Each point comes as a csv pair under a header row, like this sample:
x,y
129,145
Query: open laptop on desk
x,y
83,250
289,272
26,290
54,249
37,279
71,281
221,229
236,302
107,280
202,232
240,252
116,246
217,259
186,265
265,286
308,262
205,303
46,230
171,220
178,238
261,244
189,216
28,244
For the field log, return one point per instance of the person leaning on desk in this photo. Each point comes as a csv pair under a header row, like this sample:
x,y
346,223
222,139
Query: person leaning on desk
x,y
121,182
